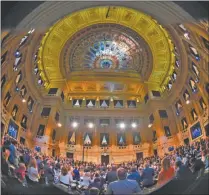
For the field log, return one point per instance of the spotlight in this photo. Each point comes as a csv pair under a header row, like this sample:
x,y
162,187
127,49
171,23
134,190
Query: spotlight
x,y
74,124
17,54
186,35
122,125
134,125
137,100
15,68
23,100
150,125
59,124
187,102
111,99
16,89
197,58
90,125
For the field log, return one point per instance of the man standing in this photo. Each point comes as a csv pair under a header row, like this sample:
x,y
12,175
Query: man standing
x,y
134,175
112,175
123,185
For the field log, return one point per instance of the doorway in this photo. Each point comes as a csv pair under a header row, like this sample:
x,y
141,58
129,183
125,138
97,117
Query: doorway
x,y
105,159
186,141
53,152
69,155
139,155
155,152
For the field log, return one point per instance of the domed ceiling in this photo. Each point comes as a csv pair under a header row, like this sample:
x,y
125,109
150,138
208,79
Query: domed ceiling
x,y
106,44
108,47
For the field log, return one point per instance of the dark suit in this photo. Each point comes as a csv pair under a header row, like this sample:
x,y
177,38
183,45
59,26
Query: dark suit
x,y
111,176
184,173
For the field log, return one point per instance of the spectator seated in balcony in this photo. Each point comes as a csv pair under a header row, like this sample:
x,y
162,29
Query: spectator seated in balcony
x,y
167,172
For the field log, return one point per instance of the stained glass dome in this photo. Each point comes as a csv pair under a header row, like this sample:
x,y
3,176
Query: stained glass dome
x,y
108,47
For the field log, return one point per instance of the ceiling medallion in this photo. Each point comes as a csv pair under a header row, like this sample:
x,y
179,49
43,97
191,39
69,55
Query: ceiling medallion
x,y
128,52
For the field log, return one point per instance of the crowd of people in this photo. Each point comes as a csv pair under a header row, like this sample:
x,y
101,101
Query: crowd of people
x,y
185,162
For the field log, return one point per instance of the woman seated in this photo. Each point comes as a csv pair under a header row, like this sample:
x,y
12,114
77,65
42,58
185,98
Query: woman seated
x,y
33,174
167,172
65,177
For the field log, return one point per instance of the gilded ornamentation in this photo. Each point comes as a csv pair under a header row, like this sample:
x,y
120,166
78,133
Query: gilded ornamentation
x,y
150,31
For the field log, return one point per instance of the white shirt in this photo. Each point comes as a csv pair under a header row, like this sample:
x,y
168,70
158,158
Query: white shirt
x,y
184,160
33,174
86,181
66,179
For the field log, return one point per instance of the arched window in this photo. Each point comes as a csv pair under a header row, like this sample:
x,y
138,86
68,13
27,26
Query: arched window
x,y
53,134
184,123
178,107
14,112
194,114
23,91
3,81
18,78
30,103
174,76
24,121
36,70
177,63
7,98
186,96
41,130
192,85
169,85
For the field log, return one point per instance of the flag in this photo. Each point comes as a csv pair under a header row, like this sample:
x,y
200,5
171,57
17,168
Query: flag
x,y
104,141
87,139
72,139
104,104
121,140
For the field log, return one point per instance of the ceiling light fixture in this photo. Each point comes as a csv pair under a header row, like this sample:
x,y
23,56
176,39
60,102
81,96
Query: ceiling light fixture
x,y
150,125
59,124
90,125
74,124
122,125
134,125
